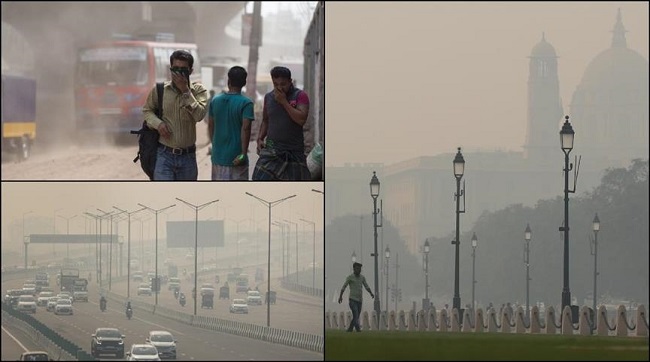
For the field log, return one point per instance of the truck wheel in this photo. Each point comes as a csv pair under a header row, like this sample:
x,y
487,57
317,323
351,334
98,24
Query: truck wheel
x,y
25,148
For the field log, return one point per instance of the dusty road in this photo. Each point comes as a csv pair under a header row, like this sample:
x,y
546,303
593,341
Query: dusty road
x,y
102,163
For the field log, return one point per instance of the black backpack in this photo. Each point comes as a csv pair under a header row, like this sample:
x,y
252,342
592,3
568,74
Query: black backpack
x,y
148,139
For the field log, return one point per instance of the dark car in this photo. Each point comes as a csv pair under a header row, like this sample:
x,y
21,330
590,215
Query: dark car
x,y
109,341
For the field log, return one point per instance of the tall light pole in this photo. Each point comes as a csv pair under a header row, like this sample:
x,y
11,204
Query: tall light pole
x,y
156,278
527,234
313,258
296,225
54,229
110,252
97,261
459,170
594,252
374,193
101,217
269,204
387,256
566,141
67,221
24,237
284,269
425,304
474,245
128,251
196,241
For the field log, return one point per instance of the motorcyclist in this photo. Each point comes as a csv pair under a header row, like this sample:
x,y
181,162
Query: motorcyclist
x,y
181,299
129,310
102,303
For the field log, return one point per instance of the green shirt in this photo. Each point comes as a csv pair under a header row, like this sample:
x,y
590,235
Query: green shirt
x,y
355,283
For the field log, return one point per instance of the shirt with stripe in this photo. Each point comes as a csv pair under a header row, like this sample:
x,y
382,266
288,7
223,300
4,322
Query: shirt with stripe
x,y
355,283
181,113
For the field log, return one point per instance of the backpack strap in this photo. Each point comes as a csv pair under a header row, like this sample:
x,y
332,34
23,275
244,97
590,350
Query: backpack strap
x,y
160,89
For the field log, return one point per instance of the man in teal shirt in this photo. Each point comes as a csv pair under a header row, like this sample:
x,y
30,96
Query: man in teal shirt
x,y
355,281
229,127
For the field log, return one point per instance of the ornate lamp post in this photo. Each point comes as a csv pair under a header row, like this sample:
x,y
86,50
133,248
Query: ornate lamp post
x,y
527,234
425,304
474,245
374,192
387,256
594,252
566,142
459,170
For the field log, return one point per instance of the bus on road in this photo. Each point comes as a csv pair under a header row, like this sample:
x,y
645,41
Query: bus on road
x,y
112,81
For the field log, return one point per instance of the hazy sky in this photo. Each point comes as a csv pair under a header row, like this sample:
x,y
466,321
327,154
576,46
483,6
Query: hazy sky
x,y
412,79
68,199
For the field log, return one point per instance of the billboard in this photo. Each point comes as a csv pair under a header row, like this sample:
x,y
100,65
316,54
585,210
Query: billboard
x,y
180,234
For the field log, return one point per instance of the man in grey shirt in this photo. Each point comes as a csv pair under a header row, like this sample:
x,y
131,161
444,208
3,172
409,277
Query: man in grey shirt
x,y
355,281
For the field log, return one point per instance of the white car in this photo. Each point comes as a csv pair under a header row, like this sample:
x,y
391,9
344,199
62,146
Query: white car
x,y
254,297
31,288
51,303
239,306
65,295
26,303
164,343
144,289
142,352
43,298
80,295
63,306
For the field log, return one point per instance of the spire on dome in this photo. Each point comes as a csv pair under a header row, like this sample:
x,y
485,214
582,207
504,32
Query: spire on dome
x,y
618,39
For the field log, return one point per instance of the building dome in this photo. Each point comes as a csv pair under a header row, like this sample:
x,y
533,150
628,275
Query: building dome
x,y
610,105
543,49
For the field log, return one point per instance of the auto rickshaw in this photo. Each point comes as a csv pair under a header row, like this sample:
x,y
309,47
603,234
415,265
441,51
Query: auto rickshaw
x,y
224,292
207,301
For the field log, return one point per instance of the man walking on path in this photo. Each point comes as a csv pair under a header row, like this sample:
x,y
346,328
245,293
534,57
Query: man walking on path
x,y
355,281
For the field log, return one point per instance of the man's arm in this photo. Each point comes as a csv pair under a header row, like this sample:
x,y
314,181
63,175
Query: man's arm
x,y
245,136
301,112
367,288
263,128
195,102
210,128
347,281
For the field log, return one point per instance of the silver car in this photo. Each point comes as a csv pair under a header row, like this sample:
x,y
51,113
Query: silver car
x,y
164,342
26,303
63,306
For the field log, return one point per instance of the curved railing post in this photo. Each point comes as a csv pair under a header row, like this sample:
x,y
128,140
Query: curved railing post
x,y
567,325
641,322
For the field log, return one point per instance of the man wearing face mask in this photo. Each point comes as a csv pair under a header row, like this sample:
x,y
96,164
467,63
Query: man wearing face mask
x,y
280,142
184,105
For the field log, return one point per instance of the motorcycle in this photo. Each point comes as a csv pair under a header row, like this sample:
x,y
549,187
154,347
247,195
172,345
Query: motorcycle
x,y
176,293
129,313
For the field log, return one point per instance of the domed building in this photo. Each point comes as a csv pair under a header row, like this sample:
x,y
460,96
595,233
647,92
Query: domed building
x,y
609,108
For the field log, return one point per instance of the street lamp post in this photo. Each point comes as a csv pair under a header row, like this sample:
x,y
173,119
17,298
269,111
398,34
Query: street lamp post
x,y
596,228
128,251
313,259
527,234
566,141
269,204
156,278
387,256
425,304
24,237
67,221
54,230
101,217
110,253
459,170
474,245
196,241
374,193
296,225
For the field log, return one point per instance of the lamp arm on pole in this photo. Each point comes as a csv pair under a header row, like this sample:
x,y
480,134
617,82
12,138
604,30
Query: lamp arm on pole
x,y
575,173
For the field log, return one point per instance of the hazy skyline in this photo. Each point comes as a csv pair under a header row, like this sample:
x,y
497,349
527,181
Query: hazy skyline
x,y
414,79
43,199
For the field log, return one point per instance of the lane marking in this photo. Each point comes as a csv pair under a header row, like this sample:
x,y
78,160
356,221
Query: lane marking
x,y
15,339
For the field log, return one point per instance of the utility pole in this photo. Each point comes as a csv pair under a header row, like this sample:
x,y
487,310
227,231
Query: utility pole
x,y
253,49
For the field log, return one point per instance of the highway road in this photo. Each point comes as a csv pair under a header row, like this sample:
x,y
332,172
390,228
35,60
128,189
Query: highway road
x,y
15,342
193,343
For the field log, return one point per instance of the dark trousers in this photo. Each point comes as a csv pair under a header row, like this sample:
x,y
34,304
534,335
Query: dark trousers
x,y
355,307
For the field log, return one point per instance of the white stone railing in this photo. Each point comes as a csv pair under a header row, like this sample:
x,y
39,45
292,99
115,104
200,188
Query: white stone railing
x,y
432,321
